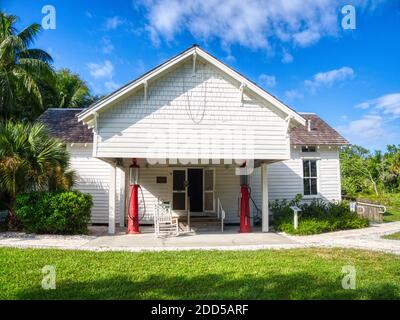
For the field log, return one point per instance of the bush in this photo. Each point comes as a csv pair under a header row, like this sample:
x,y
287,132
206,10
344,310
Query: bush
x,y
316,217
50,212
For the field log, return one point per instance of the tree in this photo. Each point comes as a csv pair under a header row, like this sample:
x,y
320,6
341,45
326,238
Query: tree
x,y
363,171
358,170
70,91
30,160
21,67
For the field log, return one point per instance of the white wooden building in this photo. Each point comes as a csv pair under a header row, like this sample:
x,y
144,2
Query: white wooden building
x,y
191,123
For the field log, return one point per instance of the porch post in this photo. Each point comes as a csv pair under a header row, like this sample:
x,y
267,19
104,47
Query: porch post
x,y
122,195
264,188
111,199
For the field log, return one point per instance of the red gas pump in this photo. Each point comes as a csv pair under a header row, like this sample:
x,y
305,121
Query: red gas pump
x,y
245,224
133,214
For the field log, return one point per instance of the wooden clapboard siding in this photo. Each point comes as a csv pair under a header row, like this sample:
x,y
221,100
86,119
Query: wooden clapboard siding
x,y
167,125
153,191
227,185
93,177
285,178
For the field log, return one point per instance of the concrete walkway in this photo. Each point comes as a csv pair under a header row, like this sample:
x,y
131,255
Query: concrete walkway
x,y
99,240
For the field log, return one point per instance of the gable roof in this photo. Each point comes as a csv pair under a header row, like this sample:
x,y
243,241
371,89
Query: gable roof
x,y
64,124
321,133
196,51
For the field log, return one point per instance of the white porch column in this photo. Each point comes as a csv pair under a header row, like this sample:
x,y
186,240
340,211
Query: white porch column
x,y
111,200
122,195
264,198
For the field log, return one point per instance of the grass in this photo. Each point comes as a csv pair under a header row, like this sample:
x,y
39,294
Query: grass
x,y
265,274
390,200
393,236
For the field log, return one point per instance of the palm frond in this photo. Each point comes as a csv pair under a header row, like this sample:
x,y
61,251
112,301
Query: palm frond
x,y
28,84
29,34
37,54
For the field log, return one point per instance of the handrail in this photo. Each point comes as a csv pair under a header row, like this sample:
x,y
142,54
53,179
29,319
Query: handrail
x,y
383,208
220,209
188,213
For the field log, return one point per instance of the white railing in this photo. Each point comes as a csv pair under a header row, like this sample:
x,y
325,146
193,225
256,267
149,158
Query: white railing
x,y
221,214
373,212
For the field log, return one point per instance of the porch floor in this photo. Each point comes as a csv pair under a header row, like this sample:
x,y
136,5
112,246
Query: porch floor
x,y
204,239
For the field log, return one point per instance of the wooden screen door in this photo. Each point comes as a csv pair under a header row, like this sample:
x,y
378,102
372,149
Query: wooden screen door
x,y
179,194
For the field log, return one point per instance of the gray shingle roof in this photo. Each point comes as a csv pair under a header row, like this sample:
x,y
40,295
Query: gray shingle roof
x,y
321,133
63,124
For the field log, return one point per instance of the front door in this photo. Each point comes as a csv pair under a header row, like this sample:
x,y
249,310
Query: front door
x,y
195,189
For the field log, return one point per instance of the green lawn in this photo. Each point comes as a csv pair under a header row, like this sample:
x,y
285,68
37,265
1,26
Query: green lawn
x,y
393,236
266,274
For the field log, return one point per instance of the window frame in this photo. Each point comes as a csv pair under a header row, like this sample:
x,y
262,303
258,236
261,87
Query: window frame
x,y
308,149
310,177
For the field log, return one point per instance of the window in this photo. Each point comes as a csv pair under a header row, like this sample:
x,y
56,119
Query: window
x,y
310,177
308,149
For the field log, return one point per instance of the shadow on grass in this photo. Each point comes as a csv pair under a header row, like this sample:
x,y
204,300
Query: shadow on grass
x,y
293,286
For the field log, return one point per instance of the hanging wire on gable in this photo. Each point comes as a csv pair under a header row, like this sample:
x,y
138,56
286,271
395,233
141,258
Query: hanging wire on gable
x,y
188,97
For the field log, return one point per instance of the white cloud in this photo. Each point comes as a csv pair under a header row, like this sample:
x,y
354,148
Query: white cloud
x,y
306,37
101,70
287,57
293,94
111,85
388,104
368,131
327,79
378,127
364,105
267,80
319,80
254,23
249,23
106,46
113,23
371,131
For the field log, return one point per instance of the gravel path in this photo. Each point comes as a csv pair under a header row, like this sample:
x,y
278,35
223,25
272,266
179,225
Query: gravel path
x,y
368,238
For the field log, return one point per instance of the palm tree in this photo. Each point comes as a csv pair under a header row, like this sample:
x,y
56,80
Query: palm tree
x,y
71,91
20,66
30,160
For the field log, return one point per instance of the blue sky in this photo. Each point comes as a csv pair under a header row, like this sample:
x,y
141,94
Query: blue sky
x,y
297,50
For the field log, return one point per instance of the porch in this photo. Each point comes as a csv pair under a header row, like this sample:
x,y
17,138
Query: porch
x,y
230,239
198,195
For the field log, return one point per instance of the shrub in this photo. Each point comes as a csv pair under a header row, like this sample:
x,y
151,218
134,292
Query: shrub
x,y
316,217
54,212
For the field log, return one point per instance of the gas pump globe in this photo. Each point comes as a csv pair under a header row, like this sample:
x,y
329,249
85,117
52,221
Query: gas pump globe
x,y
134,174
